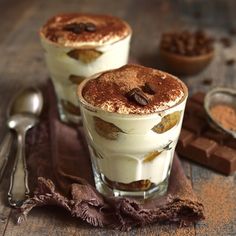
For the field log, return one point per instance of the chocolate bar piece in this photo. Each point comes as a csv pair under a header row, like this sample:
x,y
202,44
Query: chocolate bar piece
x,y
201,143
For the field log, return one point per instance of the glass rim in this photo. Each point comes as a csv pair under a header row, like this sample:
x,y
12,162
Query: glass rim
x,y
89,46
93,108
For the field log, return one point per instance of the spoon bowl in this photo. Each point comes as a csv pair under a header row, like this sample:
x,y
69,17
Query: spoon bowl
x,y
28,101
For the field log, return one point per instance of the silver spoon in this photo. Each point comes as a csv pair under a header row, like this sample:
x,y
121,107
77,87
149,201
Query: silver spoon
x,y
19,190
28,101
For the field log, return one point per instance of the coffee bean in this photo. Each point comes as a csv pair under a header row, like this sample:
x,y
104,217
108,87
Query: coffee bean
x,y
76,28
132,92
187,43
148,88
90,27
232,31
207,81
230,62
226,42
136,95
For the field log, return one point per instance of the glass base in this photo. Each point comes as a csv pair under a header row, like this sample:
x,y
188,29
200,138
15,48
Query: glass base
x,y
153,192
67,117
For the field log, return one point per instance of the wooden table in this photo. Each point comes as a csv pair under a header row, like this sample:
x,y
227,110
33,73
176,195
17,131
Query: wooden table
x,y
22,64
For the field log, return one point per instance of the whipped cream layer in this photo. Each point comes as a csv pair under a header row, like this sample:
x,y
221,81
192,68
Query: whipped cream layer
x,y
61,66
124,159
109,90
108,30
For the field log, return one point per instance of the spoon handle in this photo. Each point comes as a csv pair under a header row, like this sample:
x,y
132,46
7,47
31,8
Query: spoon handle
x,y
5,149
19,190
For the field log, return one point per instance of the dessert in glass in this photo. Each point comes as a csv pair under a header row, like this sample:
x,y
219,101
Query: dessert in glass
x,y
80,45
132,118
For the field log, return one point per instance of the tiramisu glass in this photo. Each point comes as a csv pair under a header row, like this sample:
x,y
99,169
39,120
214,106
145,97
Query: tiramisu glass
x,y
132,118
80,45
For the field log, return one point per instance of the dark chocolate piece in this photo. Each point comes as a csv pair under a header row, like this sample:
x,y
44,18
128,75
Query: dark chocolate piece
x,y
217,136
196,109
203,144
224,160
185,137
200,149
231,142
194,124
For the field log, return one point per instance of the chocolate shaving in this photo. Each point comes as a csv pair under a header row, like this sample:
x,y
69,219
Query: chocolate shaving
x,y
136,95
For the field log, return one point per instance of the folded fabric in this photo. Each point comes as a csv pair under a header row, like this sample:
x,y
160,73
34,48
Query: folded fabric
x,y
60,174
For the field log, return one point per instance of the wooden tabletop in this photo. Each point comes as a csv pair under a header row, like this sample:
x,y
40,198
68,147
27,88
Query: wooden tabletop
x,y
22,64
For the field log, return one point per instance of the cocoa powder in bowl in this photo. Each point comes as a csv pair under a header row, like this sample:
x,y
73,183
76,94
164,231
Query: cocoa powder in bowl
x,y
225,115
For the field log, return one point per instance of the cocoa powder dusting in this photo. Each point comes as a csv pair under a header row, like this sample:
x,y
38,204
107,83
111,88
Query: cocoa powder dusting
x,y
104,28
109,90
218,197
225,115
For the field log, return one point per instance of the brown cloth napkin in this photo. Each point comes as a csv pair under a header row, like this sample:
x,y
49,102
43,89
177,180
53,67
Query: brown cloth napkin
x,y
60,174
